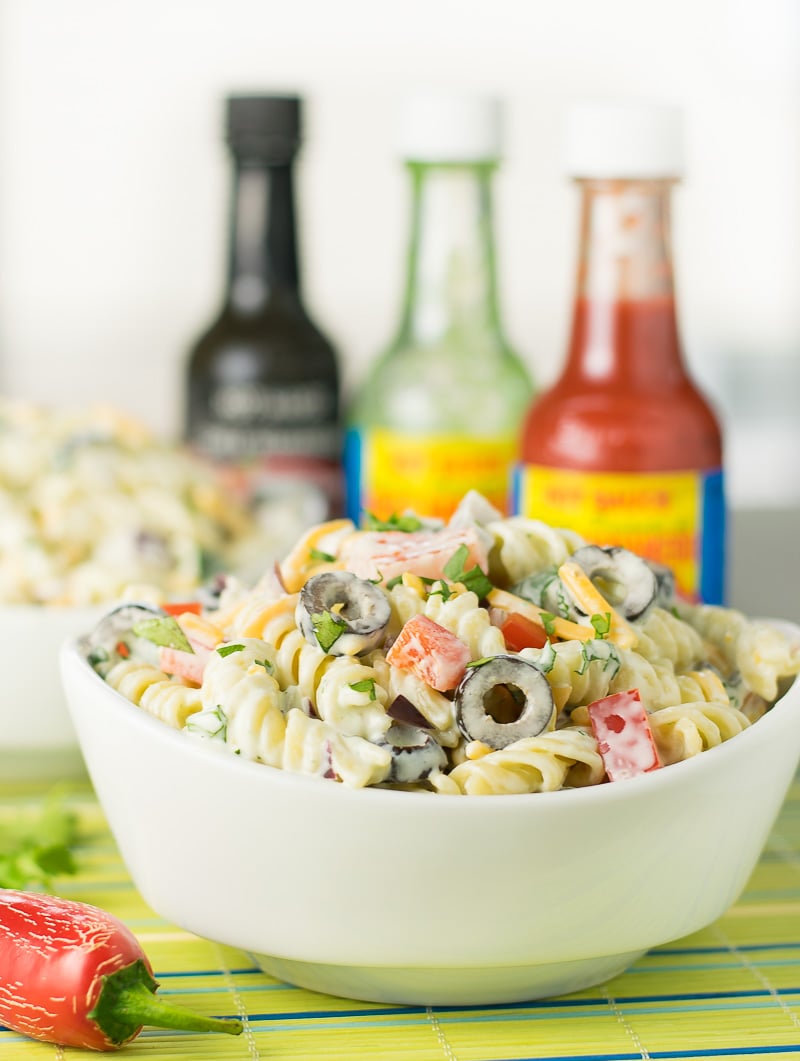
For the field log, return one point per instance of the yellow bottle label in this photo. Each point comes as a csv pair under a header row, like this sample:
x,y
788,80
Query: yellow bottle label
x,y
673,518
389,471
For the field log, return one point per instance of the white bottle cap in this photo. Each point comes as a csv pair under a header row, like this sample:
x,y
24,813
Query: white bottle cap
x,y
435,127
624,140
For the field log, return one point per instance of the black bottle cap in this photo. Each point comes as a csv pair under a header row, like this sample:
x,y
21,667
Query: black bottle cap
x,y
264,127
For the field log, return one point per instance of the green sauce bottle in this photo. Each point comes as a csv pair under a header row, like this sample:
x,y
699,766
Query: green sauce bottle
x,y
440,411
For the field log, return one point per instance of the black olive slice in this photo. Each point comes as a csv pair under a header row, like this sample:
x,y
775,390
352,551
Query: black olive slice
x,y
415,753
113,638
342,614
504,700
627,582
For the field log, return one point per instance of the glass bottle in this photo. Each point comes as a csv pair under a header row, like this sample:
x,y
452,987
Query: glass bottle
x,y
263,381
440,411
623,447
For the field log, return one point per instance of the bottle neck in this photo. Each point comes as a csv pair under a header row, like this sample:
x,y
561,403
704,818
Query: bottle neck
x,y
450,279
262,259
625,323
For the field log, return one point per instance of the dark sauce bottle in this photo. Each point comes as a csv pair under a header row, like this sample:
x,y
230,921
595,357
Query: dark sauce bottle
x,y
262,380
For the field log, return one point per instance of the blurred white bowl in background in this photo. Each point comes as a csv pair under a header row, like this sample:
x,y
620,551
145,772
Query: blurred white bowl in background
x,y
37,737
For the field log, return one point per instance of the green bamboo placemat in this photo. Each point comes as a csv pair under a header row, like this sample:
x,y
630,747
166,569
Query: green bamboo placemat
x,y
730,991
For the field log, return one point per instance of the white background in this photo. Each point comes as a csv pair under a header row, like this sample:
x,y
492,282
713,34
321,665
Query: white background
x,y
114,182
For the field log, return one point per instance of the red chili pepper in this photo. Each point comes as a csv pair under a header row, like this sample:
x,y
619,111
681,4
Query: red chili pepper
x,y
74,975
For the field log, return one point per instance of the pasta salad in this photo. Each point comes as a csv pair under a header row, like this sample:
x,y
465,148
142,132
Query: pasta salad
x,y
487,656
91,502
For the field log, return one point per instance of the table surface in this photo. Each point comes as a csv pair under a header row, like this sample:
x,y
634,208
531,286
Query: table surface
x,y
730,991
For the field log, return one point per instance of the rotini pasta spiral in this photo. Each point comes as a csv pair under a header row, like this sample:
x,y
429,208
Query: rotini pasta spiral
x,y
575,676
303,559
461,615
523,546
297,662
351,698
162,697
763,656
703,684
662,635
307,673
535,764
242,702
656,681
406,599
132,678
760,653
314,747
687,729
436,708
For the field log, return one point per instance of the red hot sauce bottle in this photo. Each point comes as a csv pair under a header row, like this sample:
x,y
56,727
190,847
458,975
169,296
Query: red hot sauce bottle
x,y
624,448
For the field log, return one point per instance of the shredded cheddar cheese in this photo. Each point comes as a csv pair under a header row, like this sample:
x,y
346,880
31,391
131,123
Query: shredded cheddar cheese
x,y
299,565
200,630
593,602
563,628
255,623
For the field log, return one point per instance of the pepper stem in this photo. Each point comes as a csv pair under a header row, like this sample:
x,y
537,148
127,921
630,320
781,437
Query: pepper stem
x,y
127,1001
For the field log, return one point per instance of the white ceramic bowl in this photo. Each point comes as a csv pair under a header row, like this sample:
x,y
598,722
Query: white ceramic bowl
x,y
37,738
420,898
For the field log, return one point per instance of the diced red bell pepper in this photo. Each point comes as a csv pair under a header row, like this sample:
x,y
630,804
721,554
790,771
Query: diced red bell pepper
x,y
181,607
432,653
623,734
519,632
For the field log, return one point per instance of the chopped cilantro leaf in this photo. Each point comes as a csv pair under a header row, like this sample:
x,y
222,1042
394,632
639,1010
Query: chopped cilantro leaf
x,y
328,629
547,658
601,624
455,565
549,623
97,656
604,651
209,723
394,581
226,650
35,848
407,523
533,587
441,589
325,558
480,662
164,632
475,579
545,588
367,685
564,604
